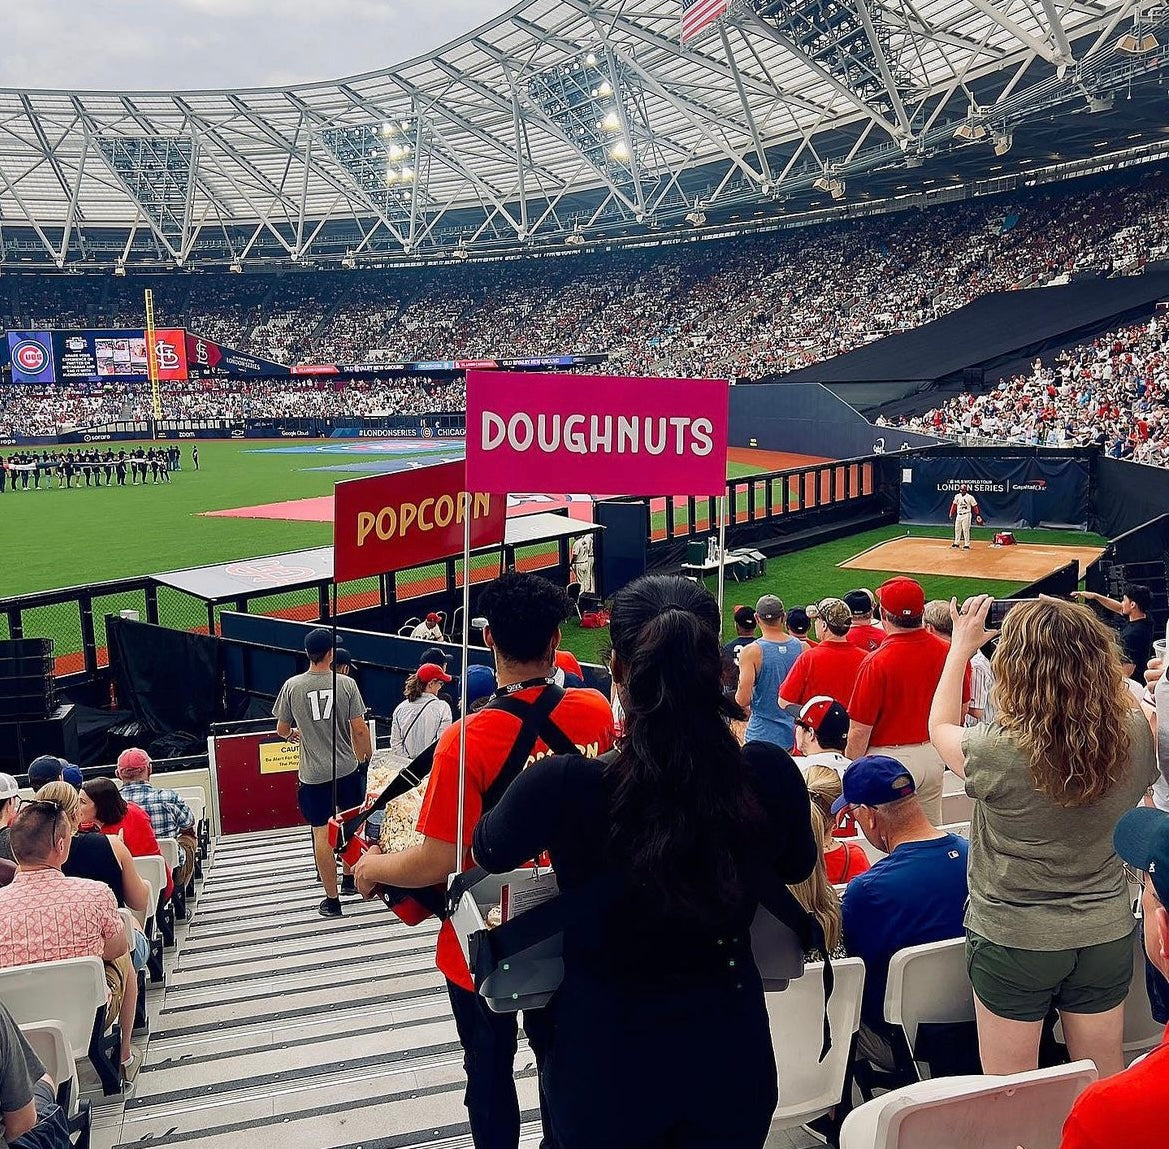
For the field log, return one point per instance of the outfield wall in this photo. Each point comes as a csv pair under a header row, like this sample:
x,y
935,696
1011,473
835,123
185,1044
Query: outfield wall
x,y
808,419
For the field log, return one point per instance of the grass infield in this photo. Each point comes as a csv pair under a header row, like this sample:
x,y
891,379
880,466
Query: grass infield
x,y
61,538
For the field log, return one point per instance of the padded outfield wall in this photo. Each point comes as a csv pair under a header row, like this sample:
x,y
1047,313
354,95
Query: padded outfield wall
x,y
808,419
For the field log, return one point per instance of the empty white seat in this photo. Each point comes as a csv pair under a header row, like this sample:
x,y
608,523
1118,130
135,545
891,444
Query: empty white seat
x,y
49,1043
1026,1109
809,1087
961,829
152,870
196,801
72,992
928,984
170,852
956,808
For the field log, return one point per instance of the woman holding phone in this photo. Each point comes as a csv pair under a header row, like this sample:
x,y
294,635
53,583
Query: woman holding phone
x,y
1049,922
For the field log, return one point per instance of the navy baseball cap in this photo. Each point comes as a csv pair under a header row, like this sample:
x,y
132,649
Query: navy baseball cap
x,y
1141,839
874,780
342,657
318,642
72,774
480,683
47,768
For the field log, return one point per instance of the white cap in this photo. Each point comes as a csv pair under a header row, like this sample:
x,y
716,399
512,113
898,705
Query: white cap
x,y
9,787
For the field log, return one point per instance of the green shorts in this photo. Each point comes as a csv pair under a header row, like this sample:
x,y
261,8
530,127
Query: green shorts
x,y
1023,985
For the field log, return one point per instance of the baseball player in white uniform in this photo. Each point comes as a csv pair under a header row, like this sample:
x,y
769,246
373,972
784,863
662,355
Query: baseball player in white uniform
x,y
962,510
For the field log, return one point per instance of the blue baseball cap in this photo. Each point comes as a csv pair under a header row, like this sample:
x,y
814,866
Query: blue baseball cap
x,y
1141,839
874,780
480,683
72,774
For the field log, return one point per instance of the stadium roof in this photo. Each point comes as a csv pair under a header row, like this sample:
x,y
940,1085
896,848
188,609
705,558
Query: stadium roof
x,y
556,121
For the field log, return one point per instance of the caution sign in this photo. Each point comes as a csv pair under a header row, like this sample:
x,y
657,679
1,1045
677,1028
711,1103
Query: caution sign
x,y
279,757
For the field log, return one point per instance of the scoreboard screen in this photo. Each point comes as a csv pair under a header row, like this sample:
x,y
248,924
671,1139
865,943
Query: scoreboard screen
x,y
95,356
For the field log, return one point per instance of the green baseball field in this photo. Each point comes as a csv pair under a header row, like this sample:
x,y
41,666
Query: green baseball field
x,y
85,535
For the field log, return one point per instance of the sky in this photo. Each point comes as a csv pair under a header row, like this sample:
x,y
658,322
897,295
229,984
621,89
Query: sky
x,y
128,45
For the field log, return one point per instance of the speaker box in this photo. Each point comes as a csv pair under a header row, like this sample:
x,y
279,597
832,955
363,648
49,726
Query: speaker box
x,y
21,742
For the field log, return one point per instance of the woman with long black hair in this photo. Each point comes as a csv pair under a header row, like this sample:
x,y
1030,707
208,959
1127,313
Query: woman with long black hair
x,y
661,1035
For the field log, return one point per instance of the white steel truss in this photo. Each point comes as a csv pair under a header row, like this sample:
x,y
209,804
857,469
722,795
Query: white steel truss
x,y
557,118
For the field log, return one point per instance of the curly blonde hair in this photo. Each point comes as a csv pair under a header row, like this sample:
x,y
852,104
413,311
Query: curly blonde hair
x,y
1059,692
815,893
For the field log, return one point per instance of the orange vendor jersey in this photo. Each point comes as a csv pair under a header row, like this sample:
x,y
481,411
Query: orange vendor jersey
x,y
1125,1111
583,715
895,687
829,669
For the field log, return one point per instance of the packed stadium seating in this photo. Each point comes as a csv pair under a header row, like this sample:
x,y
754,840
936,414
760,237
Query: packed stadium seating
x,y
1111,392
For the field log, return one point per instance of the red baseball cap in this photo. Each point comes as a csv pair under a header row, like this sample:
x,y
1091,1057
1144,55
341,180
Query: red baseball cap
x,y
432,617
901,597
429,672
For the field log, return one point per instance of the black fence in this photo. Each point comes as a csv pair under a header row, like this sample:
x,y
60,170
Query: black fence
x,y
778,511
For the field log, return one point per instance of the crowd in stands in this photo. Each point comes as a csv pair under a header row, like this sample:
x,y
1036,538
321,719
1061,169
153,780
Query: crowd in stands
x,y
869,777
1112,392
745,306
48,409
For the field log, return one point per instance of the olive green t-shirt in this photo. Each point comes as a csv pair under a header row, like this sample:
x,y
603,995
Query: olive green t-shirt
x,y
1043,876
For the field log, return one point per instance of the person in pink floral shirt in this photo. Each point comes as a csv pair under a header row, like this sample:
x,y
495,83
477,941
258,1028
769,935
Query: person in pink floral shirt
x,y
46,916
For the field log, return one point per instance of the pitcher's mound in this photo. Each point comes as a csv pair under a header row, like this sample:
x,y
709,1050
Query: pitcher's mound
x,y
1025,562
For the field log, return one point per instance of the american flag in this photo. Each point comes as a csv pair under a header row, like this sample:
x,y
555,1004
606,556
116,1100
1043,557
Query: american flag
x,y
700,14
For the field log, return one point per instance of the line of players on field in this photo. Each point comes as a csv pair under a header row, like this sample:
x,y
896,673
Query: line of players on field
x,y
25,469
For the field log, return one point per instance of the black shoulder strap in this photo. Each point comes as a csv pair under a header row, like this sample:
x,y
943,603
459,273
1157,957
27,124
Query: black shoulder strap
x,y
536,725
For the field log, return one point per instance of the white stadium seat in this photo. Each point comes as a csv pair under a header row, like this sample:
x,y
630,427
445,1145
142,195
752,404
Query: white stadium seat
x,y
956,808
1026,1109
49,1043
809,1088
74,993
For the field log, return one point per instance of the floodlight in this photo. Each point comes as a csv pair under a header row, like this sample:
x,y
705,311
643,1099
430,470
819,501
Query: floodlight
x,y
1137,43
620,150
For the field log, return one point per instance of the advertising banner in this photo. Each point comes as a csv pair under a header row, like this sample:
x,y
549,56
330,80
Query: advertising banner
x,y
1011,492
205,357
31,353
170,352
391,522
606,435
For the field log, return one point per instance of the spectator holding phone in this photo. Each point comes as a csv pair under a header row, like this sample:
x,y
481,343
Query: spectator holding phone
x,y
1049,921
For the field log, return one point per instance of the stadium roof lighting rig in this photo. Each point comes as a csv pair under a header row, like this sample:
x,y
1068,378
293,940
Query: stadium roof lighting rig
x,y
554,112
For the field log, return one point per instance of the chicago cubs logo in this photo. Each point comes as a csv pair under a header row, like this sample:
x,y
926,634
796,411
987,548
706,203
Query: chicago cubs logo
x,y
30,357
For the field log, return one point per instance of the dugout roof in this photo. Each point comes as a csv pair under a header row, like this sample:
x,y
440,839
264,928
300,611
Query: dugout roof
x,y
294,570
573,121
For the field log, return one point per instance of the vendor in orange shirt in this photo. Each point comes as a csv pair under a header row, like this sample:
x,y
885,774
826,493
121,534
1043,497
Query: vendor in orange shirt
x,y
524,613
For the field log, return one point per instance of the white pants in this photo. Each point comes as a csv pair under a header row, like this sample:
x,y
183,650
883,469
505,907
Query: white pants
x,y
962,530
927,768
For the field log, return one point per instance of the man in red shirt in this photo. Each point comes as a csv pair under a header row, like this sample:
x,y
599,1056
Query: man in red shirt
x,y
1128,1109
890,703
524,614
830,667
864,633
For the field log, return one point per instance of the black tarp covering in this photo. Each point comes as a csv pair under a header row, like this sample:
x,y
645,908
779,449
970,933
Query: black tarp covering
x,y
1011,491
996,325
171,680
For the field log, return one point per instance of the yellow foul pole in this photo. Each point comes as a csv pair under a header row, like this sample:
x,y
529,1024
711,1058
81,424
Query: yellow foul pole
x,y
152,358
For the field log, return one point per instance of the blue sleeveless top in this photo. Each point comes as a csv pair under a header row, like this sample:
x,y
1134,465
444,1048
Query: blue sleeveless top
x,y
767,722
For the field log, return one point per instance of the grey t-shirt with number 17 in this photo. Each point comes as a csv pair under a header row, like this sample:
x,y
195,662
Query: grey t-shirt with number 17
x,y
306,702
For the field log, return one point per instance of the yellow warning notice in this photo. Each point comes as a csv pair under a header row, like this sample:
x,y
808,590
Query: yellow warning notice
x,y
279,757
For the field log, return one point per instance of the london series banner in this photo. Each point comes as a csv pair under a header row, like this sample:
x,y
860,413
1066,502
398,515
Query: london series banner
x,y
1011,491
391,522
607,435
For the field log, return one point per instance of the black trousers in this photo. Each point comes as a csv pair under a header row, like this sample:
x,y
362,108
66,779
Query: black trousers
x,y
489,1042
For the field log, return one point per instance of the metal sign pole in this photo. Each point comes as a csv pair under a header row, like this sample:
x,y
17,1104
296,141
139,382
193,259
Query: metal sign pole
x,y
463,679
722,561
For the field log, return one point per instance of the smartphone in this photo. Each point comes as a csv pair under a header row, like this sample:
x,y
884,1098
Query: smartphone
x,y
1000,608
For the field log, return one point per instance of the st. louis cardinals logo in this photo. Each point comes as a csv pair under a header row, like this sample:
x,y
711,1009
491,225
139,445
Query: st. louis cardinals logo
x,y
166,355
30,357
